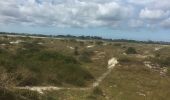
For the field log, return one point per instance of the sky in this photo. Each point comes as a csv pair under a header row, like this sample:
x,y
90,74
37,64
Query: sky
x,y
116,19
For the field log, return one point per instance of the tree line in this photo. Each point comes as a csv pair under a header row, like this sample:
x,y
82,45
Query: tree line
x,y
87,38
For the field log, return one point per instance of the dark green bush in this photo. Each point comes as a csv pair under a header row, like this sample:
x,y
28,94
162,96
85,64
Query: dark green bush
x,y
131,50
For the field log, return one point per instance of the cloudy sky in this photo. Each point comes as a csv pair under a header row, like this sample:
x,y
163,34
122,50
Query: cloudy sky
x,y
130,19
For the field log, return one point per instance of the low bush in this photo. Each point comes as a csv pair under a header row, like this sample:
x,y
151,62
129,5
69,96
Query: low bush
x,y
76,50
96,94
7,94
117,44
124,59
97,91
163,61
99,42
131,50
86,56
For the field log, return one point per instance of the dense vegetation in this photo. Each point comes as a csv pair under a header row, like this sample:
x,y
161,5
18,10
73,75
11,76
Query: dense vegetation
x,y
36,66
162,57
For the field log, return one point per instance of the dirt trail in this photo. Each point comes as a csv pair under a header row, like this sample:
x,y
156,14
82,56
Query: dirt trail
x,y
111,64
40,89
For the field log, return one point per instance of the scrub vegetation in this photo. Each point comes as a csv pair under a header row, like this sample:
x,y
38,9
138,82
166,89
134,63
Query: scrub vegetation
x,y
143,71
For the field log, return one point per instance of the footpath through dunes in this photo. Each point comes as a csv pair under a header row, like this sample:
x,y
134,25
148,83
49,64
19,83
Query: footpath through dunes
x,y
111,64
40,89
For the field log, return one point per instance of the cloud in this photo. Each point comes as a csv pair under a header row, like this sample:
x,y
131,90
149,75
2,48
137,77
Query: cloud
x,y
135,23
161,4
152,14
71,13
85,13
165,23
141,2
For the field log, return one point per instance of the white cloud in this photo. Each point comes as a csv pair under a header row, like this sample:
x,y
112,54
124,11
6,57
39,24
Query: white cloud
x,y
161,4
71,13
152,14
135,23
85,13
141,2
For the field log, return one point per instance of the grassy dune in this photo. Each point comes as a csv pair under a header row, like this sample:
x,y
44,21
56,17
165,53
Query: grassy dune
x,y
73,63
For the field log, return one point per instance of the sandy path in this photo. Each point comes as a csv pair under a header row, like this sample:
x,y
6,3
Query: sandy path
x,y
40,89
111,64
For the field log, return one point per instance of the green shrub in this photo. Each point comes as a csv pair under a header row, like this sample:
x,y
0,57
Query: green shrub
x,y
28,95
4,42
86,56
76,52
7,95
97,91
2,51
124,59
26,77
7,80
99,42
131,50
73,40
163,61
96,94
74,75
157,55
31,47
117,44
81,43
